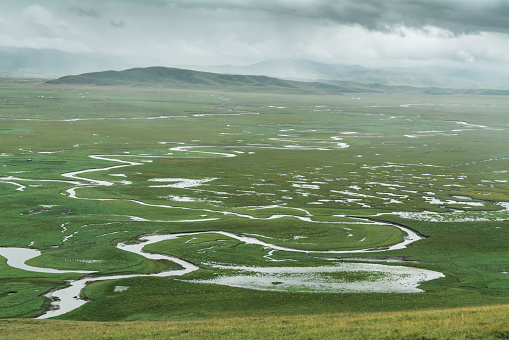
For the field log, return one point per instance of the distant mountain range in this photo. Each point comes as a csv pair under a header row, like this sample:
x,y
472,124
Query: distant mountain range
x,y
182,78
46,63
307,70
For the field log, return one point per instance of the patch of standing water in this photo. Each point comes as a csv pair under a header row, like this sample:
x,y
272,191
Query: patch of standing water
x,y
179,182
120,289
182,198
376,278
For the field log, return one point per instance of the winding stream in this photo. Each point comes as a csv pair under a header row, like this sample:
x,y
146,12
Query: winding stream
x,y
67,299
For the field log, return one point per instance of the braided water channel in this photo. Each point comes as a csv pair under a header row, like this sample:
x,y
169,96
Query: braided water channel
x,y
394,278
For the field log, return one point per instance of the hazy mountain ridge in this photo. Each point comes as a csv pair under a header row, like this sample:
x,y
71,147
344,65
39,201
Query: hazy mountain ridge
x,y
307,70
46,63
182,78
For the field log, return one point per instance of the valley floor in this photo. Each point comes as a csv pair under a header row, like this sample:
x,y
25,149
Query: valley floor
x,y
283,205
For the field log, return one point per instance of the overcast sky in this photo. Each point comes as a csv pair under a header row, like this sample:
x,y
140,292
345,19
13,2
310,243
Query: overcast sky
x,y
472,33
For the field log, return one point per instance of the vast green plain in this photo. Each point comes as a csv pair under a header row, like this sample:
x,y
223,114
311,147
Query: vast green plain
x,y
85,168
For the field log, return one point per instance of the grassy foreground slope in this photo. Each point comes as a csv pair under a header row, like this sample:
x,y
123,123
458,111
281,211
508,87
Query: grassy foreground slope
x,y
462,323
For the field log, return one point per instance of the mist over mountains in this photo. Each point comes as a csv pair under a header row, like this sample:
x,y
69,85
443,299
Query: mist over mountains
x,y
47,63
307,70
165,77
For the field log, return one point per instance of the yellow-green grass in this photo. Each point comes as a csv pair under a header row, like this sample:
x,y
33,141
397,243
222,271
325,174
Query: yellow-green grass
x,y
461,323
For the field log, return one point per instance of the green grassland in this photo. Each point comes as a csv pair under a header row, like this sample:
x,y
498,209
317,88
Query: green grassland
x,y
309,172
461,323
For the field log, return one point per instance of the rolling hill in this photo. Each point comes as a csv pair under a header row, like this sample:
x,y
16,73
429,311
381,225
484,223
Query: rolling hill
x,y
181,78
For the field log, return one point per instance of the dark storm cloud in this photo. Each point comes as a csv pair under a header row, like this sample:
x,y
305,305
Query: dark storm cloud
x,y
457,16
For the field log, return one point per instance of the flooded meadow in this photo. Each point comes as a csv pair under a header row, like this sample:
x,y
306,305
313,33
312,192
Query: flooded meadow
x,y
256,192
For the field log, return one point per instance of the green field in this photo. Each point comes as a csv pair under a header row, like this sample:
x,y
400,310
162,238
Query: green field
x,y
315,177
487,323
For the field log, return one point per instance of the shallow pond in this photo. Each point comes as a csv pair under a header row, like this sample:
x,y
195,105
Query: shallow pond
x,y
352,278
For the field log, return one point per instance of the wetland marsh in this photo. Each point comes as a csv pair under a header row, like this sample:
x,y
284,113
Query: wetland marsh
x,y
252,199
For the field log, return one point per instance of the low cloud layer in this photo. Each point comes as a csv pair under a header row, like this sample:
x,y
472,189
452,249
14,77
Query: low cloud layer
x,y
457,16
471,33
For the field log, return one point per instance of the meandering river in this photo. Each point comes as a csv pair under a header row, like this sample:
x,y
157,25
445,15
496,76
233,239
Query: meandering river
x,y
68,299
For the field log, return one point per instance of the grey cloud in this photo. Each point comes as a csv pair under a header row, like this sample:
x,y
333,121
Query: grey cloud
x,y
156,3
457,16
117,23
85,13
172,32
